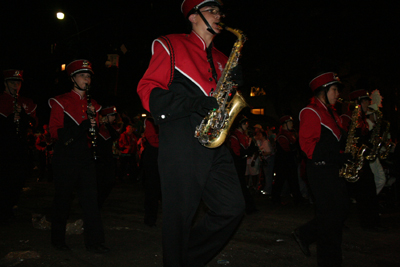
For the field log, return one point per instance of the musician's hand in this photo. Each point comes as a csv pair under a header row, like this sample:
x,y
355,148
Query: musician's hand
x,y
18,108
92,109
104,119
93,122
202,104
345,158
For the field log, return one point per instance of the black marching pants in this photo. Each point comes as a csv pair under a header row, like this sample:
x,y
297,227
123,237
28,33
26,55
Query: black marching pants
x,y
331,210
82,178
183,187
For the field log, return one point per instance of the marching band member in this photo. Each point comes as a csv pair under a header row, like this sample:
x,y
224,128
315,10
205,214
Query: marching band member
x,y
320,138
73,161
285,161
106,164
364,189
17,115
176,88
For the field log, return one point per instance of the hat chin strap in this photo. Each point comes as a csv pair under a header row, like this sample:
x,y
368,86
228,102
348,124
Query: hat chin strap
x,y
77,86
209,28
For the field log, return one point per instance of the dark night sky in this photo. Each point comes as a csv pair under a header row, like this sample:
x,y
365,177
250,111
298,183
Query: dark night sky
x,y
288,43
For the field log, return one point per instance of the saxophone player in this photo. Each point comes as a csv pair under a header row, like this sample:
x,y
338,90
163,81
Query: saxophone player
x,y
176,89
17,114
321,139
73,163
364,190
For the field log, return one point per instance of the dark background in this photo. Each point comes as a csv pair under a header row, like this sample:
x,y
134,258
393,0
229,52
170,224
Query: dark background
x,y
289,42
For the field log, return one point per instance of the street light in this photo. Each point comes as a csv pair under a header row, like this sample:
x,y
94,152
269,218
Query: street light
x,y
61,15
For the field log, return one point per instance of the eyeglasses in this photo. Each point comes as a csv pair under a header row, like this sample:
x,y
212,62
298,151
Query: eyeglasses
x,y
214,12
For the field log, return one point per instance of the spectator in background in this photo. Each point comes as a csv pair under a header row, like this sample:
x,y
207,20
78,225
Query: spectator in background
x,y
128,148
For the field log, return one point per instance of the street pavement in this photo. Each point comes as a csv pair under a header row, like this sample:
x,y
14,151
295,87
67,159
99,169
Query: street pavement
x,y
262,239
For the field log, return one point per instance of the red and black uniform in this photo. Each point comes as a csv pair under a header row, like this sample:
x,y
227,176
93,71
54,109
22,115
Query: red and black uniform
x,y
172,89
285,166
73,167
320,138
151,181
106,163
15,161
241,150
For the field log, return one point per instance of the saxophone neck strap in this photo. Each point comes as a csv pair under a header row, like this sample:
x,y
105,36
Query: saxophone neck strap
x,y
211,61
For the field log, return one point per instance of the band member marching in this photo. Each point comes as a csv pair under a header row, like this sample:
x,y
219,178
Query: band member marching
x,y
73,160
106,163
364,190
176,89
17,115
320,138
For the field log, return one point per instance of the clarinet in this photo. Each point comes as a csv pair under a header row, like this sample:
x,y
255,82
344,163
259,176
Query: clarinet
x,y
91,115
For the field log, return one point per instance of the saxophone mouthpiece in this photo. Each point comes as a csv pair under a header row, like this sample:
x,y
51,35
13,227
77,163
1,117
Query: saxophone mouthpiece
x,y
221,25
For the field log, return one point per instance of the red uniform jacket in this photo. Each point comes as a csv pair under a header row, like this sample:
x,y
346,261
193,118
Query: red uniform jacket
x,y
7,105
286,139
70,104
313,119
239,141
188,57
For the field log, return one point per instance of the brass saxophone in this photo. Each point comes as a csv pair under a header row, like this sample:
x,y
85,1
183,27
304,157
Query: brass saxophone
x,y
351,169
91,116
214,128
388,144
375,139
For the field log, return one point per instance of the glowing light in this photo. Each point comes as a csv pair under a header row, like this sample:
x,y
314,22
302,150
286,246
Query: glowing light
x,y
62,67
257,111
60,15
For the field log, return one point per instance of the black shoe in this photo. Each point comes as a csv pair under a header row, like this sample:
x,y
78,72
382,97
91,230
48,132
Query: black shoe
x,y
61,247
303,246
98,248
